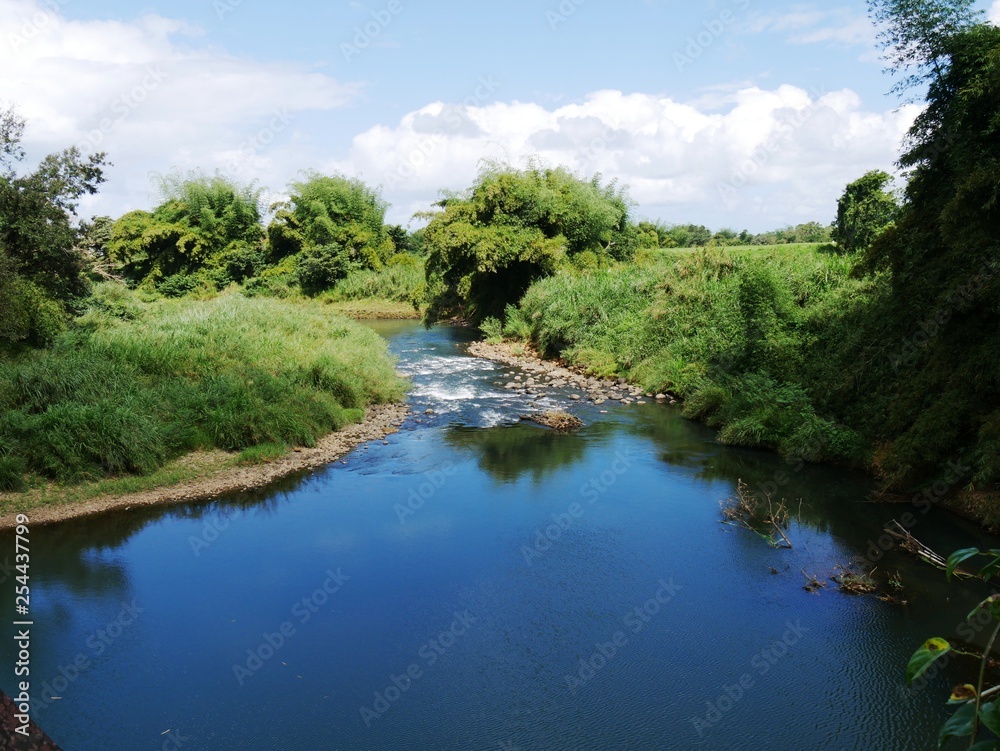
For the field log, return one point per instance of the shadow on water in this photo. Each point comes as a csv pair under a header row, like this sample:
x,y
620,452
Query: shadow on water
x,y
511,452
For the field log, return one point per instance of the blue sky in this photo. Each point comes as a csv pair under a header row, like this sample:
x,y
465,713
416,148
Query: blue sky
x,y
736,113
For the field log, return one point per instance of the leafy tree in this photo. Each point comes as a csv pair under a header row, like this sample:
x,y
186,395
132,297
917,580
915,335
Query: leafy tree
x,y
647,235
726,237
515,226
333,224
943,265
42,275
915,35
864,211
205,225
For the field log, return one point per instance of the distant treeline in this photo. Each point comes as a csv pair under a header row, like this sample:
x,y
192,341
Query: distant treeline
x,y
660,235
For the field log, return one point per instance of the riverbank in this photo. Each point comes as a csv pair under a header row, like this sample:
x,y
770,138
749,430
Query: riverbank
x,y
557,374
979,507
210,474
376,310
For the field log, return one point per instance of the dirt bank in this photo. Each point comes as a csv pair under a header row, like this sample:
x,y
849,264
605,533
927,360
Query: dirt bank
x,y
380,422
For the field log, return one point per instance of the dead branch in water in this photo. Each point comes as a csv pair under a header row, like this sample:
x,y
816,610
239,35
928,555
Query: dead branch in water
x,y
911,544
750,512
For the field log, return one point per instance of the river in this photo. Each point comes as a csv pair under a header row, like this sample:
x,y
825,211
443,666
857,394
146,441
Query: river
x,y
476,582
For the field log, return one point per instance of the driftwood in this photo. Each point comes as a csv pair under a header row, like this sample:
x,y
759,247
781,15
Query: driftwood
x,y
747,511
911,544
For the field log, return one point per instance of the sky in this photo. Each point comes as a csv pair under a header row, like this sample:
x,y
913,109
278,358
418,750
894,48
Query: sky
x,y
730,113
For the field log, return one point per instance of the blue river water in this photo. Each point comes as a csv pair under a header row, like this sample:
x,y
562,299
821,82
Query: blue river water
x,y
478,582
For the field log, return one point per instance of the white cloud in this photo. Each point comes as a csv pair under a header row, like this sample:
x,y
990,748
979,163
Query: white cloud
x,y
154,96
994,13
168,99
807,24
753,158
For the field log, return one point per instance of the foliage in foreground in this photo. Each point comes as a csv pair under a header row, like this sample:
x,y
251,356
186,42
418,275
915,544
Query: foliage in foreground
x,y
135,384
978,715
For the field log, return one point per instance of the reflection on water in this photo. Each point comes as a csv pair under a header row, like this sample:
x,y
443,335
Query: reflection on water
x,y
508,453
604,604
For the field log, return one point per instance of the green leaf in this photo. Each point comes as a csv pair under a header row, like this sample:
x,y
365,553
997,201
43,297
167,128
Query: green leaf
x,y
989,715
986,746
958,725
990,569
958,557
923,658
991,604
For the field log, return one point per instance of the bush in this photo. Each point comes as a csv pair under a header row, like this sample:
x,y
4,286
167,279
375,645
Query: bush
x,y
492,329
513,227
730,334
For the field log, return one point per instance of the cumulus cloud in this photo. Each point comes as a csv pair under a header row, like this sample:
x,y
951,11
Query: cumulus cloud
x,y
994,13
753,158
154,96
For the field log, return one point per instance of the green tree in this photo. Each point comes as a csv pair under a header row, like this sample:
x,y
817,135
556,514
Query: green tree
x,y
209,226
334,225
42,270
515,226
914,36
864,211
943,267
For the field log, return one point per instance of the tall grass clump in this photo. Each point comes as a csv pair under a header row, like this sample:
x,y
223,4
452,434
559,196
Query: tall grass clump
x,y
731,333
401,280
134,385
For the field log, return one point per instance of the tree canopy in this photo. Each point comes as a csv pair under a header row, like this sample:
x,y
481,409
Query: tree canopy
x,y
334,225
943,263
205,225
914,36
864,211
514,226
42,271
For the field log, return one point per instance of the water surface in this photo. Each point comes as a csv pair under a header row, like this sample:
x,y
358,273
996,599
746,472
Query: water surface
x,y
477,582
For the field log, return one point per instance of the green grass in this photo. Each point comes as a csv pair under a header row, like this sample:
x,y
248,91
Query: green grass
x,y
262,454
401,281
123,395
374,309
730,331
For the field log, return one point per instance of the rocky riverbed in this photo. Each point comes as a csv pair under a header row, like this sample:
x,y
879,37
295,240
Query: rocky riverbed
x,y
540,375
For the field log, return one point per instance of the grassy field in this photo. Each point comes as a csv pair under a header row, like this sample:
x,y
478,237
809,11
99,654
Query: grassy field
x,y
133,386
